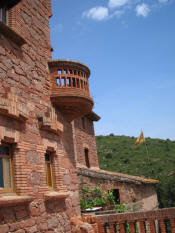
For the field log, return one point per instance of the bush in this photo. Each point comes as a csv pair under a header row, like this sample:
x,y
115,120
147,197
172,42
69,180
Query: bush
x,y
96,198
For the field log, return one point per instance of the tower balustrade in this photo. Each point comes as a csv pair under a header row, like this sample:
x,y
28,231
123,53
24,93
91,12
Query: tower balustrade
x,y
70,88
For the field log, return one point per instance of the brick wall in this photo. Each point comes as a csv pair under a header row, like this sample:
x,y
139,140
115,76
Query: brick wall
x,y
24,72
85,138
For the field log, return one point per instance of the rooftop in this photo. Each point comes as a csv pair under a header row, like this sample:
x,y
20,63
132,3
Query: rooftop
x,y
115,176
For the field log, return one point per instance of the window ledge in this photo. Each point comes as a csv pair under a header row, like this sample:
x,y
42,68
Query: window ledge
x,y
11,34
14,200
52,195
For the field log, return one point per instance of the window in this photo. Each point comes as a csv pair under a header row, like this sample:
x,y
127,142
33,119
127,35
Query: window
x,y
86,152
48,164
5,169
4,15
83,122
116,196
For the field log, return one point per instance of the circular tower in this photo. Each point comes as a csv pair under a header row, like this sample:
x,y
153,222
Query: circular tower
x,y
70,88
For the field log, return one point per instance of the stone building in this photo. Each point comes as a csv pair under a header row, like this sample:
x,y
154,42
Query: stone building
x,y
137,192
47,143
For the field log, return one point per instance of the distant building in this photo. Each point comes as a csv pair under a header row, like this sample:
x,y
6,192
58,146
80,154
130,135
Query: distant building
x,y
47,144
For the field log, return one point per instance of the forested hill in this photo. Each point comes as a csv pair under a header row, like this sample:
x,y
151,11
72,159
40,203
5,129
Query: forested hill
x,y
118,153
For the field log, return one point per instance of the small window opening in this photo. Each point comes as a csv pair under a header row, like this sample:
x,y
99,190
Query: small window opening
x,y
5,169
58,81
59,71
65,71
86,152
48,164
79,73
75,72
70,72
73,82
116,196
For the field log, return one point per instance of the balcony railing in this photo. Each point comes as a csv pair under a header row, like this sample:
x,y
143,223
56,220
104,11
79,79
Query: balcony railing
x,y
70,88
158,221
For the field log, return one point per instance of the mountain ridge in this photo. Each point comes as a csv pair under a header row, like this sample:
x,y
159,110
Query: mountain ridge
x,y
118,154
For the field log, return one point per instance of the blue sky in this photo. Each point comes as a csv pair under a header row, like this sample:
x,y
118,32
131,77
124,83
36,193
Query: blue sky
x,y
129,45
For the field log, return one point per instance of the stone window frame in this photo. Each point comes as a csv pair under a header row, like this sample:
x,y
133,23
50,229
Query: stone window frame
x,y
10,156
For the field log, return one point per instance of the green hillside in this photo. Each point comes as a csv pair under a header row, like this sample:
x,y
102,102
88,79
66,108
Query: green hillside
x,y
118,153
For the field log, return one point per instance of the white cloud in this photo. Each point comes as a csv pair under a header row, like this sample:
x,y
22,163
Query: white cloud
x,y
117,13
117,3
142,10
97,13
163,1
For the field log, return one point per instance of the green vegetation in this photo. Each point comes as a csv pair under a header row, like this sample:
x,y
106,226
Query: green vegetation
x,y
118,153
98,198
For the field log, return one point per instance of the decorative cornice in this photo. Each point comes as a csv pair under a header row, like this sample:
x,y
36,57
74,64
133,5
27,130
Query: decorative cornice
x,y
12,108
93,116
11,34
50,123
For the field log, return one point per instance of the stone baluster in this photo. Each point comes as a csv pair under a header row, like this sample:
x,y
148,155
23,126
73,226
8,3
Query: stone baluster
x,y
172,222
162,226
112,227
142,226
122,227
101,228
132,226
152,226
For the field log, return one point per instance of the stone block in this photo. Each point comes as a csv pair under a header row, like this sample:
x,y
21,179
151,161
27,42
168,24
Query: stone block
x,y
52,223
4,228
